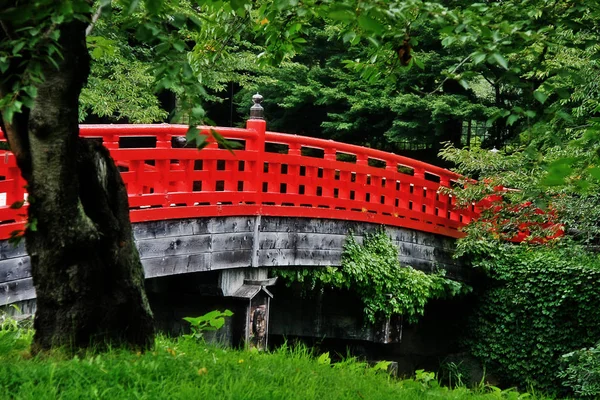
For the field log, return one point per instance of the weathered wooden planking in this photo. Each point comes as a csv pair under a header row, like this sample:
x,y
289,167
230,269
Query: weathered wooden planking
x,y
298,257
358,229
208,261
19,290
16,268
9,250
286,250
427,253
232,224
310,225
231,259
311,241
197,226
232,241
174,246
173,265
168,228
203,244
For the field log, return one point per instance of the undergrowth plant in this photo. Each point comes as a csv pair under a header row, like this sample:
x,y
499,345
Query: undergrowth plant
x,y
210,321
15,336
373,271
580,372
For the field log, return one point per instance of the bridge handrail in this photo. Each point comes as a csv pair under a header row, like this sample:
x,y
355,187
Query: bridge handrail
x,y
346,148
169,182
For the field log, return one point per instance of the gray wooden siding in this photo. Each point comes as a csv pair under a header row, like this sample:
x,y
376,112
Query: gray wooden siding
x,y
205,244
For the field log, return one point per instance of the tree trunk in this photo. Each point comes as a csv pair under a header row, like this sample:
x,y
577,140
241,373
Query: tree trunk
x,y
86,269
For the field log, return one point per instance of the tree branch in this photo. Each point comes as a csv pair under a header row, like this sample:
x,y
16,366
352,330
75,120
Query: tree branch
x,y
6,30
95,18
467,58
16,134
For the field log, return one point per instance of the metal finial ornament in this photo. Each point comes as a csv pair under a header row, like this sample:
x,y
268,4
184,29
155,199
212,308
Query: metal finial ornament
x,y
257,111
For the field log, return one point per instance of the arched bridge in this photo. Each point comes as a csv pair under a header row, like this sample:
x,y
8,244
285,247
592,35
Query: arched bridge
x,y
275,200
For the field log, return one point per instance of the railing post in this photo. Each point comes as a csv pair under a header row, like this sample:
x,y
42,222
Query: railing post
x,y
257,123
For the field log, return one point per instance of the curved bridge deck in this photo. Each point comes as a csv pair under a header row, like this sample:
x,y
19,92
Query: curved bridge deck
x,y
271,174
173,247
277,200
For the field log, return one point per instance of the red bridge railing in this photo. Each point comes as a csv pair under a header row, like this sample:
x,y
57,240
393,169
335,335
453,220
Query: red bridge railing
x,y
272,174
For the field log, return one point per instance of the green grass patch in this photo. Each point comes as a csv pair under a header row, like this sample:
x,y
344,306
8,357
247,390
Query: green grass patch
x,y
188,369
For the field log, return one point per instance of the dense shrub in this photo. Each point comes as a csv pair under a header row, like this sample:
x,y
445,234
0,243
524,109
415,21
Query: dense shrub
x,y
580,372
540,304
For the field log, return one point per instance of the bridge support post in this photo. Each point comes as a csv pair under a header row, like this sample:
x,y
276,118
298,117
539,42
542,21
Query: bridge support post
x,y
249,286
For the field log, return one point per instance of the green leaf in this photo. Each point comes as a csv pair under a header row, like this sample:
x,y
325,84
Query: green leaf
x,y
594,172
342,15
369,24
16,236
192,133
349,36
238,4
17,47
500,60
478,57
97,53
179,45
283,4
154,6
17,204
324,359
132,5
294,28
418,63
382,366
202,142
565,116
558,171
224,142
198,112
217,323
512,119
447,29
32,224
540,96
448,40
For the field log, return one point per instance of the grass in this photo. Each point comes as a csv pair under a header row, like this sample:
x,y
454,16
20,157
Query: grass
x,y
188,369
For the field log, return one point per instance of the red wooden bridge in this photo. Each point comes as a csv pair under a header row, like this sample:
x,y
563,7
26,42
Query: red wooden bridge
x,y
269,174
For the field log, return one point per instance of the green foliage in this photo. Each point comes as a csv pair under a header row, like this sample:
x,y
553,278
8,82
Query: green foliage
x,y
210,321
320,93
188,369
541,303
121,85
22,56
573,201
580,372
373,271
15,336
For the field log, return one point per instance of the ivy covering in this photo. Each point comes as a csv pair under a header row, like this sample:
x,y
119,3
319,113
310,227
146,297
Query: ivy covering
x,y
373,271
543,302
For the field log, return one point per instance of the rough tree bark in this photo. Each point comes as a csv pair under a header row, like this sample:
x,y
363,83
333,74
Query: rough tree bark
x,y
86,269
